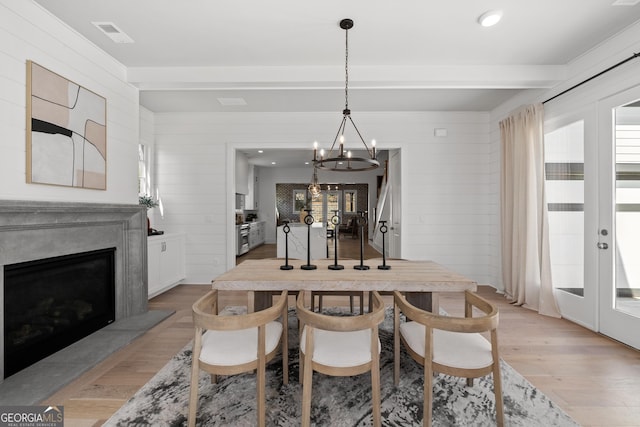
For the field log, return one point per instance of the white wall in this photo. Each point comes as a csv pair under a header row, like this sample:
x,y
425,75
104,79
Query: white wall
x,y
29,32
449,192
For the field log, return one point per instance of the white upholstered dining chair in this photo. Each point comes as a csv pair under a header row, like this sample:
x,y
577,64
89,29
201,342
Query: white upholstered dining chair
x,y
339,346
227,345
449,345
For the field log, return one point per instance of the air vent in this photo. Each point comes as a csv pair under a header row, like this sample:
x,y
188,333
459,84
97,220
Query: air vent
x,y
113,32
625,2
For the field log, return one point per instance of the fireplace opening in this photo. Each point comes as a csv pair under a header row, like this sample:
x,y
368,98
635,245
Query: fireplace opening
x,y
51,303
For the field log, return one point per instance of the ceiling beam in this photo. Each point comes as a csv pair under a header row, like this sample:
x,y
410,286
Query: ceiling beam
x,y
362,77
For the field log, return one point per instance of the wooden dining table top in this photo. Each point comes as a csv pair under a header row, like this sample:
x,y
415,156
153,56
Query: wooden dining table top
x,y
404,275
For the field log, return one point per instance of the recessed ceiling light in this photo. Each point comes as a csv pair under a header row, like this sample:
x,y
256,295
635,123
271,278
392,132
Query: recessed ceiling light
x,y
490,18
113,32
306,163
260,151
273,163
232,101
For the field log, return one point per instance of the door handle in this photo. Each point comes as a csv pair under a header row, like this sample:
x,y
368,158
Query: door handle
x,y
603,245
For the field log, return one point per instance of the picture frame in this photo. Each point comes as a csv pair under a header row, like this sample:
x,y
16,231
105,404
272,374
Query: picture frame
x,y
66,132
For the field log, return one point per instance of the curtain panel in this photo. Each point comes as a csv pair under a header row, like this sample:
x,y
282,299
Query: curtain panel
x,y
526,263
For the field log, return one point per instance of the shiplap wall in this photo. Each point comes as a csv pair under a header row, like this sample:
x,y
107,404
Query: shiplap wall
x,y
29,32
449,193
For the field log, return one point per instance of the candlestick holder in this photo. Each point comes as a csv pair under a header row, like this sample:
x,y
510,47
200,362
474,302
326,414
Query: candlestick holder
x,y
335,220
383,230
308,219
286,229
361,221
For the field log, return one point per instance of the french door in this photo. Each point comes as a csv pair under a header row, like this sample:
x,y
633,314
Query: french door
x,y
592,171
571,177
324,206
619,217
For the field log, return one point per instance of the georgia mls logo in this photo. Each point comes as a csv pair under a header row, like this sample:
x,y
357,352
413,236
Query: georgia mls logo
x,y
31,416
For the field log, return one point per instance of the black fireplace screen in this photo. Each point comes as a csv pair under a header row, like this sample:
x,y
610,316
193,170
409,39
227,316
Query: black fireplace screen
x,y
54,302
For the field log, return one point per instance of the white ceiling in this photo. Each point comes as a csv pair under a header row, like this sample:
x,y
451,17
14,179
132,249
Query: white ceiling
x,y
289,55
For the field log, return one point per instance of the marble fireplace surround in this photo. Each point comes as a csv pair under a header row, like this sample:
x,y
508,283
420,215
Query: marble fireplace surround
x,y
31,230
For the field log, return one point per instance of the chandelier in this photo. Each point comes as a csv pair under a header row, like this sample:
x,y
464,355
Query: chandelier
x,y
336,159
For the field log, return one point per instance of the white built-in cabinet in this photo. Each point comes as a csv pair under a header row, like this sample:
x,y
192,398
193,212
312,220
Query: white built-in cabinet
x,y
166,262
257,233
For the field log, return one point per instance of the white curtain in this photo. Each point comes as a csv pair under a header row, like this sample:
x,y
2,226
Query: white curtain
x,y
526,269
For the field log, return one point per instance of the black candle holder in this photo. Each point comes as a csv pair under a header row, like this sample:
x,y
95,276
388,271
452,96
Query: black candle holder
x,y
383,230
308,219
335,220
361,221
286,229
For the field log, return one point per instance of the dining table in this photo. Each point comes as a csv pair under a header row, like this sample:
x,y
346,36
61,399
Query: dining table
x,y
421,281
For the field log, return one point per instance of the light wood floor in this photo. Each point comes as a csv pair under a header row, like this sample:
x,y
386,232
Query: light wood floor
x,y
594,379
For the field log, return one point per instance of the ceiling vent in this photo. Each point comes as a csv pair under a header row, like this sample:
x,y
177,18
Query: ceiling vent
x,y
113,32
625,2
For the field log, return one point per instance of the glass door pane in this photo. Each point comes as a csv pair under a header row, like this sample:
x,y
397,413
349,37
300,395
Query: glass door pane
x,y
564,187
332,206
627,209
317,208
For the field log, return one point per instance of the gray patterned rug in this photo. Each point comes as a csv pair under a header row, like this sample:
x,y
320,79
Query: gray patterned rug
x,y
336,401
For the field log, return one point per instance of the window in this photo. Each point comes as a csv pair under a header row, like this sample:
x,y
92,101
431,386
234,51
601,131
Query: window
x,y
350,198
144,182
299,200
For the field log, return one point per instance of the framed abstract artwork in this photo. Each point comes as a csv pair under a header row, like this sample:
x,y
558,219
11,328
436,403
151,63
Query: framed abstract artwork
x,y
66,132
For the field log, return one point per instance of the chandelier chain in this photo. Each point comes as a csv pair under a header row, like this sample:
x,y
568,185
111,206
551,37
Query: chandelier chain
x,y
346,70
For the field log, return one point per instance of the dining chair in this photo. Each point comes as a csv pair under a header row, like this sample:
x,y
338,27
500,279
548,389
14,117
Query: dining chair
x,y
449,345
339,346
232,344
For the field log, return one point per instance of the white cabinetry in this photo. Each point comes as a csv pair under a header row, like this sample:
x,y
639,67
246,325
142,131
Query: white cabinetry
x,y
257,233
165,256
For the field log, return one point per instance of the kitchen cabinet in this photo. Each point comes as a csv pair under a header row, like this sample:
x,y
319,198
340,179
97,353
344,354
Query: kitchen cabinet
x,y
257,232
165,261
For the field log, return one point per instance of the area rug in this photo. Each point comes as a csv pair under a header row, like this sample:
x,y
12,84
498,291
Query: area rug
x,y
336,401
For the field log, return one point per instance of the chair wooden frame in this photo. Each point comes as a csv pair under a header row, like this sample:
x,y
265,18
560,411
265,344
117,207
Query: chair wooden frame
x,y
205,317
310,321
467,325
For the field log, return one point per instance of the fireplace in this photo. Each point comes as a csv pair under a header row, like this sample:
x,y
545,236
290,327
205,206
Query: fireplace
x,y
32,231
53,302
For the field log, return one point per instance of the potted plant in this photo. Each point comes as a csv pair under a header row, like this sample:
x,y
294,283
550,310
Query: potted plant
x,y
149,203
